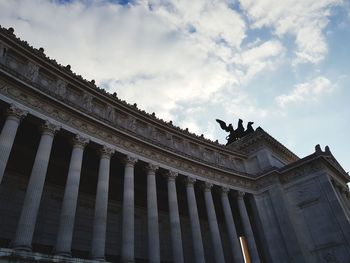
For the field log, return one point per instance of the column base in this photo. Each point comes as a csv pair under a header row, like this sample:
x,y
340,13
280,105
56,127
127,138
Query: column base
x,y
99,259
128,261
63,254
22,248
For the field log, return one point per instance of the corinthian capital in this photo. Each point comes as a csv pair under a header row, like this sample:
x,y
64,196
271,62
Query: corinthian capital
x,y
152,167
171,175
80,141
50,128
130,160
16,113
189,181
106,152
206,186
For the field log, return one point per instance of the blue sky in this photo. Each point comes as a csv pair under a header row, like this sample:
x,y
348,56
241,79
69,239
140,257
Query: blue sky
x,y
282,64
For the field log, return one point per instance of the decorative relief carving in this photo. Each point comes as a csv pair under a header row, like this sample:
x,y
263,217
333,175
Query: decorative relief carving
x,y
50,128
206,186
31,71
106,152
110,114
3,52
79,141
152,167
61,88
120,140
189,181
16,112
86,102
171,175
130,160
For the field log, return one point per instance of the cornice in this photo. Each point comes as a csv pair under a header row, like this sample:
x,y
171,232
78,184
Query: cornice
x,y
70,77
125,143
257,140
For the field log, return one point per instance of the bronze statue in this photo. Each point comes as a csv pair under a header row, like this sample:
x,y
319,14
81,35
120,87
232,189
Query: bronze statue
x,y
238,133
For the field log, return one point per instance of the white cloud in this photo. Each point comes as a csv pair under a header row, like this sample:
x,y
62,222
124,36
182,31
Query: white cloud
x,y
303,19
306,92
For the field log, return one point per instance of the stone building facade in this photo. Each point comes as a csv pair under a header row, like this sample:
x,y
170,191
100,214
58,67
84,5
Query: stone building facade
x,y
87,177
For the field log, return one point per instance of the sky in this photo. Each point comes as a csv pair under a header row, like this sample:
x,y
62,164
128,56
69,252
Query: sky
x,y
284,64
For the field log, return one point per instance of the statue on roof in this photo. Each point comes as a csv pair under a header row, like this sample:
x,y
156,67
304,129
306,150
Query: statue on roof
x,y
237,134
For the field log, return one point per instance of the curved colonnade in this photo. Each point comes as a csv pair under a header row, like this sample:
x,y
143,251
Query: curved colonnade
x,y
28,217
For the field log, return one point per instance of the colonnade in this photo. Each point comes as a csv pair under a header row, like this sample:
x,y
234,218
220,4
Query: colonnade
x,y
27,221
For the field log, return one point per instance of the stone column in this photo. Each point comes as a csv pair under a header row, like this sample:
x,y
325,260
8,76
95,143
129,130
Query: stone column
x,y
101,206
8,134
128,212
253,252
27,220
194,219
213,224
67,217
152,215
235,246
175,228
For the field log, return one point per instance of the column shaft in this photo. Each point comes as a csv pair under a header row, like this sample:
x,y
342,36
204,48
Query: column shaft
x,y
67,217
235,247
27,220
128,212
8,134
101,206
254,255
175,228
213,225
152,216
194,220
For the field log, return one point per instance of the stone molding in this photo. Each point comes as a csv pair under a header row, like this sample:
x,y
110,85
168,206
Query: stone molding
x,y
88,98
16,113
125,142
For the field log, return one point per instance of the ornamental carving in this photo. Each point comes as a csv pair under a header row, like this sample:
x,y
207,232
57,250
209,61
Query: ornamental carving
x,y
171,175
123,141
31,71
152,167
106,152
130,160
50,128
16,112
80,141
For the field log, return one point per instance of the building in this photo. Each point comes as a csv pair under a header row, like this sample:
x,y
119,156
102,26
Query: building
x,y
87,177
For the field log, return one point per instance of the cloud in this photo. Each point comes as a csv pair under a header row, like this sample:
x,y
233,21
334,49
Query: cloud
x,y
303,19
306,92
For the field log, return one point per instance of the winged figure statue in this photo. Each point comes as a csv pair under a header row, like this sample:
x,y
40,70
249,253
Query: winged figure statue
x,y
238,133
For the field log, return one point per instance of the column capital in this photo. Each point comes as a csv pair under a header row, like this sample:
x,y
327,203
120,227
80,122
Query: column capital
x,y
206,186
50,128
152,167
189,181
16,112
80,141
130,160
106,152
171,175
224,190
240,194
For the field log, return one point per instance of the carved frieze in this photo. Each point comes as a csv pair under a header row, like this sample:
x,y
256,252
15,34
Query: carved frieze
x,y
106,134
